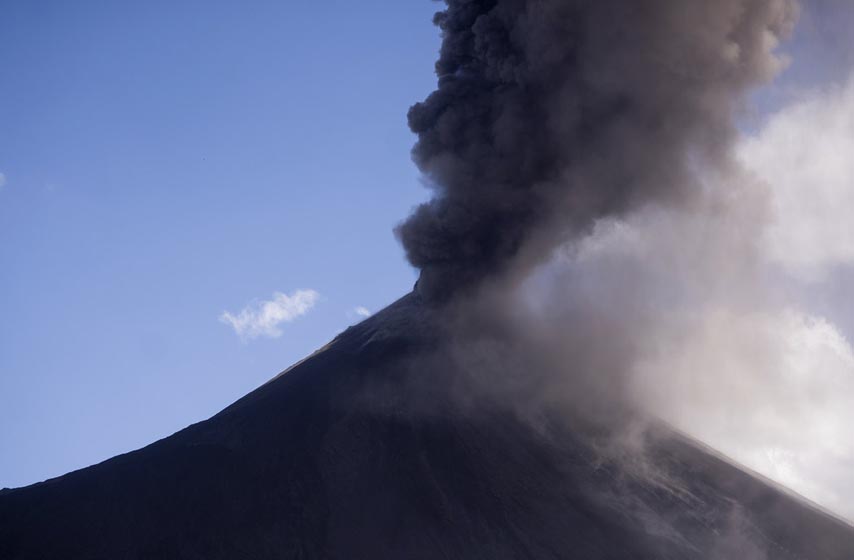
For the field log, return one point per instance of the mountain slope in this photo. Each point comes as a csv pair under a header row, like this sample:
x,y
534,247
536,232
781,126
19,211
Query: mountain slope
x,y
363,451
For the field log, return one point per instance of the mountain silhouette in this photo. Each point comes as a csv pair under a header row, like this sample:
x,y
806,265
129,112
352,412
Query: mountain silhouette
x,y
366,450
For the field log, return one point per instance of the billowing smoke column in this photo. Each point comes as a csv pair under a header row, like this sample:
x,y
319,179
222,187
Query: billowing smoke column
x,y
551,114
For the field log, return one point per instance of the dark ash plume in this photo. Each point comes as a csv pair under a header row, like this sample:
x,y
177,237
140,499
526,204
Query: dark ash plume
x,y
550,114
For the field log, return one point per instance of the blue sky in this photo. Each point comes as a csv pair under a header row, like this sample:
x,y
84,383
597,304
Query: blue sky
x,y
165,162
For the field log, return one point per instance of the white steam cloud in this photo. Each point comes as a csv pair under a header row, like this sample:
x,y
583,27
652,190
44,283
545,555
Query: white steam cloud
x,y
699,311
805,156
775,391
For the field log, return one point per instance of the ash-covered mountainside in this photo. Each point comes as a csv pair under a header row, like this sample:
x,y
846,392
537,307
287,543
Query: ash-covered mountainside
x,y
371,449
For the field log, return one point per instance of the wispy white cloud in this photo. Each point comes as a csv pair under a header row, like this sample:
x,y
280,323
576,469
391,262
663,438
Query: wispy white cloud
x,y
774,391
803,154
363,312
264,318
2,180
720,340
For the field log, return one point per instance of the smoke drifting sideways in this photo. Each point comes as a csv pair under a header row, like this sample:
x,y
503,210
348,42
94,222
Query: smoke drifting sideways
x,y
605,237
551,114
552,118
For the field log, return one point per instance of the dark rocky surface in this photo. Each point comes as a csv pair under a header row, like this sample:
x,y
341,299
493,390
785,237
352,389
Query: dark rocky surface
x,y
356,454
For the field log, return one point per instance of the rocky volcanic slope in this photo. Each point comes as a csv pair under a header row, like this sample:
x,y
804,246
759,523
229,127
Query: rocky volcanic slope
x,y
355,453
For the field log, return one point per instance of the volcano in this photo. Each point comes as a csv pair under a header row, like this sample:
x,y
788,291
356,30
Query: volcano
x,y
366,449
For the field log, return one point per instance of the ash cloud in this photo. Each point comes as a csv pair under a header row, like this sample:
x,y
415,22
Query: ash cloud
x,y
552,114
607,233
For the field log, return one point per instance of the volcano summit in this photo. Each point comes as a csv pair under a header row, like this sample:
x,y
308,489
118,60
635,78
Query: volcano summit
x,y
458,423
360,451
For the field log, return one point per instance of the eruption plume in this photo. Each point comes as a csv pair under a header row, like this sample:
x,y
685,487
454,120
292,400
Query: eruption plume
x,y
551,114
613,241
604,260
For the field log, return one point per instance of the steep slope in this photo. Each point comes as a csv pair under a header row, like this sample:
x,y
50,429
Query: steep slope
x,y
360,451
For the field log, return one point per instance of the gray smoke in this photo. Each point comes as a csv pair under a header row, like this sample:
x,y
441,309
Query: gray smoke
x,y
552,114
621,246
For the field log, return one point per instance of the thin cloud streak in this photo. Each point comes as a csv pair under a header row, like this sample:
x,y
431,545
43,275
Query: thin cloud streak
x,y
363,312
264,319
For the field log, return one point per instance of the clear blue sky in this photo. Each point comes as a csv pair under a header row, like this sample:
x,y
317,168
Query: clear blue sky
x,y
167,161
164,162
